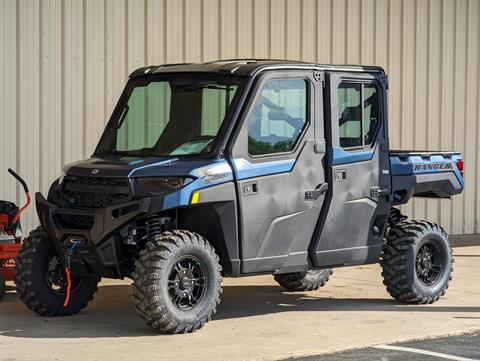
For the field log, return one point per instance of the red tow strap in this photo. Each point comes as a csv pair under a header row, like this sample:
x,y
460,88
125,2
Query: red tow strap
x,y
69,287
68,259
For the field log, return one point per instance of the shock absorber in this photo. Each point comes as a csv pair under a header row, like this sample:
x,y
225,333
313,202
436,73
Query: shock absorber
x,y
155,225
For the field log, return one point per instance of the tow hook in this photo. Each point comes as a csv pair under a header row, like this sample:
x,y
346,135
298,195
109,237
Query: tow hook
x,y
68,267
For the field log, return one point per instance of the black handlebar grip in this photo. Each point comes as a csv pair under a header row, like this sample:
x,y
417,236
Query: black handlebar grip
x,y
24,185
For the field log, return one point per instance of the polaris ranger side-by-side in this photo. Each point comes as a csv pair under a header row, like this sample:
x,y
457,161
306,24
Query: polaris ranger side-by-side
x,y
234,168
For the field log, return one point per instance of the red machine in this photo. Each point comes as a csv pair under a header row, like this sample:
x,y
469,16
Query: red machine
x,y
10,235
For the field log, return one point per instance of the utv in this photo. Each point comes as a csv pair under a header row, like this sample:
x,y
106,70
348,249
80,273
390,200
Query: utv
x,y
234,168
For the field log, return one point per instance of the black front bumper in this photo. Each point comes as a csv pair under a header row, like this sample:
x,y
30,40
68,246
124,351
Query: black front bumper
x,y
105,221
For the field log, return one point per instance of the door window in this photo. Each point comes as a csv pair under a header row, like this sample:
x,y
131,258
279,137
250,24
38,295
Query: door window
x,y
278,117
357,114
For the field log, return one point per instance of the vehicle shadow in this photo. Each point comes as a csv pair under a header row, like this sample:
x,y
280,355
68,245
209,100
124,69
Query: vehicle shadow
x,y
111,313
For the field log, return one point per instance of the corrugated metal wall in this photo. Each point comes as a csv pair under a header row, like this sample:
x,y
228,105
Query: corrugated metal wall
x,y
64,63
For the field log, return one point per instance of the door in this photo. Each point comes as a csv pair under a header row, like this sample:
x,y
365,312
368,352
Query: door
x,y
351,227
277,160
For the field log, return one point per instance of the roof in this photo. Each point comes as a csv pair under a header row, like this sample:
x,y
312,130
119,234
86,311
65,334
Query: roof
x,y
249,67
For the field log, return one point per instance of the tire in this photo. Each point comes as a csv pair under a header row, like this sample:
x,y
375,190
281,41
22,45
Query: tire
x,y
3,286
164,292
304,281
417,262
38,277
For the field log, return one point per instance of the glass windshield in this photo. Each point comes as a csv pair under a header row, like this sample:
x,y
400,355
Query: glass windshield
x,y
169,117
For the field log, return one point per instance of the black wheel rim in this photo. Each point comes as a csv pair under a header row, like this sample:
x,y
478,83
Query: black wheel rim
x,y
429,263
57,279
187,283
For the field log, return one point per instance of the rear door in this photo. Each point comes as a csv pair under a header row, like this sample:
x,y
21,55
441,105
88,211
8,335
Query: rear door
x,y
351,227
277,160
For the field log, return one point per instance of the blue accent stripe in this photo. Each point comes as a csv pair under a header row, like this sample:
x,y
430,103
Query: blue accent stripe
x,y
340,156
244,169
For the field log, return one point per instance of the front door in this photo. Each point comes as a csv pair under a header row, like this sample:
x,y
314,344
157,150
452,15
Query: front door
x,y
351,227
277,160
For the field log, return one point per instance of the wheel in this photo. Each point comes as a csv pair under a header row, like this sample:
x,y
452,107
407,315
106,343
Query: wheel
x,y
417,262
177,282
3,286
304,281
41,281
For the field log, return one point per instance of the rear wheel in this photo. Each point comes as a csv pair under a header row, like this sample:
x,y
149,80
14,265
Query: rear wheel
x,y
2,285
177,282
304,281
41,281
417,262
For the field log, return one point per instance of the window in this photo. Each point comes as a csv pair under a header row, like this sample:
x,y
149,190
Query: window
x,y
148,114
357,123
278,117
177,116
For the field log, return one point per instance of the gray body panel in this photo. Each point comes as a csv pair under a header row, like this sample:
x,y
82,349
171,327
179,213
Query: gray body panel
x,y
278,222
346,237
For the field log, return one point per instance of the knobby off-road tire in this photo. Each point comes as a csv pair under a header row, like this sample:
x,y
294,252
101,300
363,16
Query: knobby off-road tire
x,y
177,282
41,282
304,281
417,262
3,286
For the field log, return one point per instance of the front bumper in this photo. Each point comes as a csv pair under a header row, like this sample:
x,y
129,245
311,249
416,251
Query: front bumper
x,y
105,220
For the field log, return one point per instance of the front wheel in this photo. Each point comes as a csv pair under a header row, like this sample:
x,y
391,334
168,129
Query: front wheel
x,y
417,262
177,282
41,281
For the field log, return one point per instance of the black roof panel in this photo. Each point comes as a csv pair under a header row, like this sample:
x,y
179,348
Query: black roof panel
x,y
248,67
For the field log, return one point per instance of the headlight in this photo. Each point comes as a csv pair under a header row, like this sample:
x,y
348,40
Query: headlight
x,y
161,184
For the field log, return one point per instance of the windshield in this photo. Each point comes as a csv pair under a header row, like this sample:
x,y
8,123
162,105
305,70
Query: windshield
x,y
178,116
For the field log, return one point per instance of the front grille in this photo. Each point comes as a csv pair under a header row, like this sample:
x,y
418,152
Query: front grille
x,y
75,222
92,192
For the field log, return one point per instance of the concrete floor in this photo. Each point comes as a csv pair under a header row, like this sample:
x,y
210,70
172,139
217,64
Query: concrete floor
x,y
256,321
463,347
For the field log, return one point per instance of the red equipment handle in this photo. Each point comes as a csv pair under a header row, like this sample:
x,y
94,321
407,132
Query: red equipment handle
x,y
15,219
27,193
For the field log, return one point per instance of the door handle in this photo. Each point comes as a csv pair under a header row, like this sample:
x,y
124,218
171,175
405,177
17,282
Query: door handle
x,y
249,188
315,194
340,175
379,192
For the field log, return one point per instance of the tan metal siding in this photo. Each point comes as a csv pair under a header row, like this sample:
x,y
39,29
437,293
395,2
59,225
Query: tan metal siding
x,y
64,65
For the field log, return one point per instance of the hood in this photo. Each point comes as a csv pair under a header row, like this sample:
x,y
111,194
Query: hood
x,y
127,167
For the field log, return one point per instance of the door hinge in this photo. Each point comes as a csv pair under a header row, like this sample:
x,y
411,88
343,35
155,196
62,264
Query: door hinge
x,y
319,76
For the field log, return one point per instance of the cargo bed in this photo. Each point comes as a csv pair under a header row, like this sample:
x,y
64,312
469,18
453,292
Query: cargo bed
x,y
433,174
